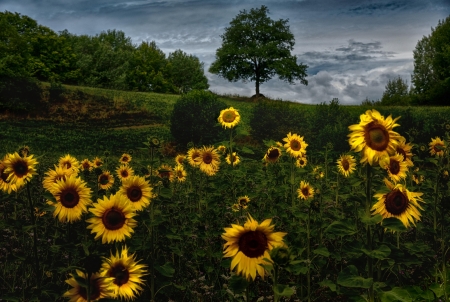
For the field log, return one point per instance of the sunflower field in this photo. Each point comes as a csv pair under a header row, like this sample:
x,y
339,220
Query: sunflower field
x,y
217,223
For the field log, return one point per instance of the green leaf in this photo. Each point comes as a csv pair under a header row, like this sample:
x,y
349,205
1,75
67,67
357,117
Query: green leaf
x,y
322,251
349,278
393,224
49,196
237,284
380,253
371,220
26,228
166,270
396,294
328,283
246,150
165,193
341,228
437,290
283,290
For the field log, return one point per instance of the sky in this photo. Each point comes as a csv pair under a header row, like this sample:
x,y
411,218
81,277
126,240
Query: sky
x,y
352,47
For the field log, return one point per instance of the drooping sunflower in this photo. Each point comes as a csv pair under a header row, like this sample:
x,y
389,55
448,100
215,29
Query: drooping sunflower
x,y
24,151
229,117
113,218
164,171
192,156
395,166
57,174
137,191
301,162
72,198
400,203
124,172
437,146
86,165
243,201
346,164
179,174
125,159
69,162
272,155
374,136
5,184
233,160
19,169
305,190
179,159
99,287
404,149
105,180
295,145
97,162
126,274
250,244
209,160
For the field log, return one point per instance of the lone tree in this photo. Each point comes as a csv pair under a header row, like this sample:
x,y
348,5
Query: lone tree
x,y
255,48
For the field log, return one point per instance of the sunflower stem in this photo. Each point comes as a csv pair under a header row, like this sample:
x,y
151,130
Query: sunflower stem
x,y
88,290
308,253
33,223
152,258
368,228
292,181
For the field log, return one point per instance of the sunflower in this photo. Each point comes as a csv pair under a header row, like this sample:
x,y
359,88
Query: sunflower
x,y
192,156
229,117
250,244
125,159
295,145
242,202
208,160
137,191
97,162
5,184
99,287
69,162
301,162
179,174
395,166
272,155
164,171
72,198
105,180
179,159
346,164
57,174
19,169
24,151
234,160
221,149
113,218
404,149
86,165
374,136
124,172
235,207
305,191
437,147
126,274
399,203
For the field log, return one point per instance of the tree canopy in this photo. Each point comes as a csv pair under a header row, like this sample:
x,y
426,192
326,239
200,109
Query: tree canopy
x,y
256,48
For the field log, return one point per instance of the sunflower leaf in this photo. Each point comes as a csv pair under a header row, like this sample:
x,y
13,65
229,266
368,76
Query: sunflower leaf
x,y
349,278
371,220
49,196
341,228
237,284
396,294
283,290
381,253
166,270
322,251
393,224
328,283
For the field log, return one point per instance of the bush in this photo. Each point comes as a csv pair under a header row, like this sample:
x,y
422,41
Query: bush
x,y
20,95
194,119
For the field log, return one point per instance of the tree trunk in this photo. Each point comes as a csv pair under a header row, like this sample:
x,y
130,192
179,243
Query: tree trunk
x,y
257,88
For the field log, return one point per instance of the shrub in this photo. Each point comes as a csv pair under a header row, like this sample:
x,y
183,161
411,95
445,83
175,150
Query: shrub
x,y
194,118
20,95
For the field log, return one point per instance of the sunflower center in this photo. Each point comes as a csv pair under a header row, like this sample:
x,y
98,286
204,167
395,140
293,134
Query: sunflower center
x,y
207,158
67,164
376,136
253,244
104,179
394,166
124,173
273,154
86,166
438,148
20,168
125,159
69,198
94,288
242,202
396,202
134,193
305,192
113,219
120,274
345,164
229,116
295,145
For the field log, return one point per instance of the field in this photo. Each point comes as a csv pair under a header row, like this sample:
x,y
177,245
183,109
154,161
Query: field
x,y
298,223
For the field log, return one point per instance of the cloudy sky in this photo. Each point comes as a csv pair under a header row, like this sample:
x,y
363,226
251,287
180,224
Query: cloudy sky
x,y
352,47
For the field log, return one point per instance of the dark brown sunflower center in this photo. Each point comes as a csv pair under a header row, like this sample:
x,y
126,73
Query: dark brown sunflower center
x,y
301,162
229,116
438,147
242,202
20,168
120,273
86,166
305,191
67,164
394,166
124,173
273,154
113,219
345,164
207,158
396,202
104,179
69,198
402,152
376,136
295,145
94,289
253,244
134,194
180,174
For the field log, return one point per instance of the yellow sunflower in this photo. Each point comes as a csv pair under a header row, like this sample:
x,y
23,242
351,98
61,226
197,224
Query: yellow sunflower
x,y
221,149
305,191
72,198
5,184
250,244
399,203
346,164
19,169
137,191
164,171
301,162
374,136
86,165
97,162
124,172
125,159
105,180
229,117
99,287
24,151
243,202
235,207
295,145
113,218
69,162
404,149
395,166
192,156
233,159
272,155
179,159
208,160
437,147
179,174
126,274
57,174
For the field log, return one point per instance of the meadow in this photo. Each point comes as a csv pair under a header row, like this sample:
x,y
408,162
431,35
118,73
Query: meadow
x,y
288,218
